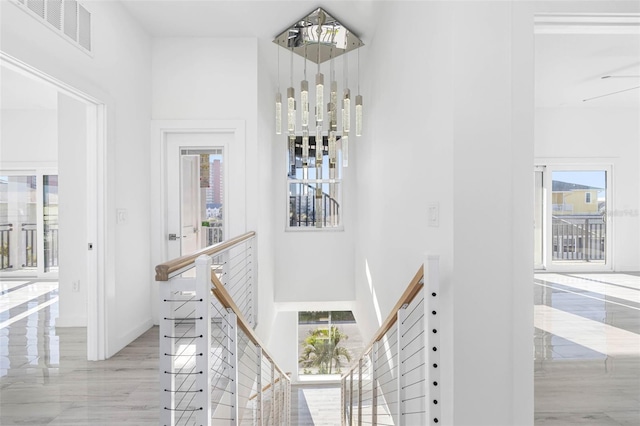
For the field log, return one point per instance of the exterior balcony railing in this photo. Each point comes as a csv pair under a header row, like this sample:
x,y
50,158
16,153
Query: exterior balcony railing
x,y
578,238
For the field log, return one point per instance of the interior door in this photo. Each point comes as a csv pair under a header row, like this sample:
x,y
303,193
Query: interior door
x,y
190,219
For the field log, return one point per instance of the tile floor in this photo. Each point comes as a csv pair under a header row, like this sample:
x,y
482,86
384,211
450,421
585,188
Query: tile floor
x,y
587,349
587,361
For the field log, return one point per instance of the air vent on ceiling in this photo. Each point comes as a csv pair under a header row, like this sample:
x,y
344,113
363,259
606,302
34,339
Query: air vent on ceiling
x,y
37,6
84,28
68,18
71,19
54,13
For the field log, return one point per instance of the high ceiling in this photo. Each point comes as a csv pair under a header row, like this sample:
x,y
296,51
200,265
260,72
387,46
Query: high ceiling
x,y
259,18
587,70
569,64
573,53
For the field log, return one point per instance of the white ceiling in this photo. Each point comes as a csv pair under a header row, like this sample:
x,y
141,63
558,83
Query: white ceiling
x,y
570,67
259,18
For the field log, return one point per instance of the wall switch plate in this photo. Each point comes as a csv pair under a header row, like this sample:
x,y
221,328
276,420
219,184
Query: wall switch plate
x,y
121,215
75,286
433,215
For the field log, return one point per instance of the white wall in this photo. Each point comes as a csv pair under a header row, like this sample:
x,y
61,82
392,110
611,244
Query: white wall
x,y
219,79
284,332
72,210
441,129
29,138
118,74
600,136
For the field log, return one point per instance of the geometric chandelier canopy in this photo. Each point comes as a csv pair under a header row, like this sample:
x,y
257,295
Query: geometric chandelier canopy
x,y
333,40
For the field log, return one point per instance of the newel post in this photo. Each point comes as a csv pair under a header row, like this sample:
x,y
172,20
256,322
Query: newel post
x,y
203,343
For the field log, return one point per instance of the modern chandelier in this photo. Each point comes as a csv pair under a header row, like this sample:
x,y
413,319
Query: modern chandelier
x,y
318,37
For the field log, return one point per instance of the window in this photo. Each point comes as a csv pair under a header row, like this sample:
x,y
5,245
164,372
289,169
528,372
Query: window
x,y
314,185
587,197
327,341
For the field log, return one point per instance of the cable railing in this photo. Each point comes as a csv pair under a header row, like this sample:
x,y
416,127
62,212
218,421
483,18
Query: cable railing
x,y
213,368
396,381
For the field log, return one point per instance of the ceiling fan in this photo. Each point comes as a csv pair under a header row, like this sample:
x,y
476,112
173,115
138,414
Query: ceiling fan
x,y
618,91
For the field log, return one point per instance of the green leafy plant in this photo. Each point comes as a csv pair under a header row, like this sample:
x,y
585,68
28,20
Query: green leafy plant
x,y
322,350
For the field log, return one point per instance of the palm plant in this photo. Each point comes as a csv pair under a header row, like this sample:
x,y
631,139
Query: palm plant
x,y
322,350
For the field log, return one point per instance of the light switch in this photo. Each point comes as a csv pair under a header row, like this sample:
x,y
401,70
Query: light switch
x,y
433,215
121,215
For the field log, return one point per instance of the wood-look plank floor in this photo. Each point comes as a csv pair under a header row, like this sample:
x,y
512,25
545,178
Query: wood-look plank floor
x,y
45,378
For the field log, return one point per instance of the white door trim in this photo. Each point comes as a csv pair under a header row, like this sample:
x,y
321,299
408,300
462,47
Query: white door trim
x,y
159,131
96,203
579,164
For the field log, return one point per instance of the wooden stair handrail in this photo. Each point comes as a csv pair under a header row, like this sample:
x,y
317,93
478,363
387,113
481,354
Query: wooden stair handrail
x,y
267,387
407,297
221,293
165,269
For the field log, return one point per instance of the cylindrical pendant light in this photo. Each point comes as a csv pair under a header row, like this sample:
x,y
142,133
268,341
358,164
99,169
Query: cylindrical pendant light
x,y
358,115
278,113
278,100
346,111
291,110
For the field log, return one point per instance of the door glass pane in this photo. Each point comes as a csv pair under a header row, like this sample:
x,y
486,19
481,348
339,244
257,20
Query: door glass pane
x,y
538,220
18,235
579,216
50,216
211,200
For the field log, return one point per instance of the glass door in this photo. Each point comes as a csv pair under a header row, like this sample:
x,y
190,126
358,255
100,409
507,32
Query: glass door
x,y
18,222
538,218
579,235
579,227
28,222
50,221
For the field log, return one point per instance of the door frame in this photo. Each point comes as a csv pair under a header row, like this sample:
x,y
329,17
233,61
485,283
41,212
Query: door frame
x,y
96,196
160,130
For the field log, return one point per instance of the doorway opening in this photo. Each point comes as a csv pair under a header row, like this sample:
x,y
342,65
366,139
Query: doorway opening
x,y
75,129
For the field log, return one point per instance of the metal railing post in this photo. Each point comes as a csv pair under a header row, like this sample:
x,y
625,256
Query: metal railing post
x,y
587,240
343,399
402,314
203,342
272,413
374,381
259,386
360,391
232,346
